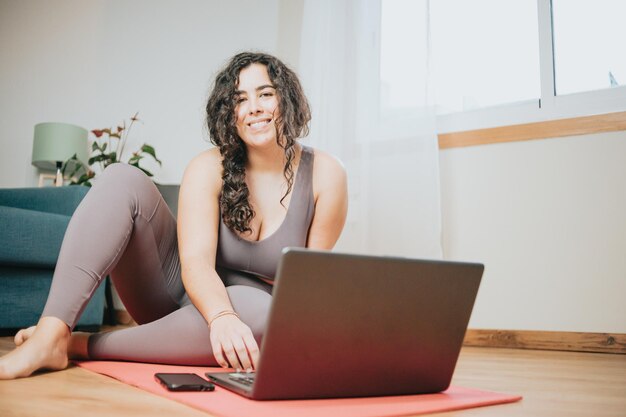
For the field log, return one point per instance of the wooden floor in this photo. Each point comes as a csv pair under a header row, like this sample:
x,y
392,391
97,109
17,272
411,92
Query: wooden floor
x,y
552,383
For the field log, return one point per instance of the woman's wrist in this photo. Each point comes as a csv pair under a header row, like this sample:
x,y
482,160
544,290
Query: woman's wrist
x,y
222,314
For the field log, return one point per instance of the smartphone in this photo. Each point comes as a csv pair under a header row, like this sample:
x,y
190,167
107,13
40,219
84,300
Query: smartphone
x,y
184,382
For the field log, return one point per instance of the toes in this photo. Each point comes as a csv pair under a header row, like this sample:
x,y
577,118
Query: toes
x,y
19,338
23,335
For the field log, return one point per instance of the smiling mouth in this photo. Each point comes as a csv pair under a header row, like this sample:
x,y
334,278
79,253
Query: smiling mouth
x,y
259,123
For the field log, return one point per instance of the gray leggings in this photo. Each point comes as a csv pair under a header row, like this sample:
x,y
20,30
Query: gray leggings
x,y
123,228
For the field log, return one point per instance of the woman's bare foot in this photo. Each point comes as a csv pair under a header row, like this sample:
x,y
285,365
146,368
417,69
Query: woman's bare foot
x,y
76,349
41,347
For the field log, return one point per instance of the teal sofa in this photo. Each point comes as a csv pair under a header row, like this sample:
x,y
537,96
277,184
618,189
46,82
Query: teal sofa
x,y
32,226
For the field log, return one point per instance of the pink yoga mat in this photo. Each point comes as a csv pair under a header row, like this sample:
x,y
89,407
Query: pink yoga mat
x,y
224,403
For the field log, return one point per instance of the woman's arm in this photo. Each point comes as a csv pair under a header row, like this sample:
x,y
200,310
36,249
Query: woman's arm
x,y
198,222
330,189
198,217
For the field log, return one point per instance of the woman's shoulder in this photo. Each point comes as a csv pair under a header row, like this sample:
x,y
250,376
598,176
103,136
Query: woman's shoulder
x,y
328,171
206,166
211,155
210,159
327,163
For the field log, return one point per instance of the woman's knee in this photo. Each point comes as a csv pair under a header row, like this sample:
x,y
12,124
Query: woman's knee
x,y
126,182
122,174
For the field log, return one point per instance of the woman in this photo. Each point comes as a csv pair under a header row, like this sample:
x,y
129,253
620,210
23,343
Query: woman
x,y
200,290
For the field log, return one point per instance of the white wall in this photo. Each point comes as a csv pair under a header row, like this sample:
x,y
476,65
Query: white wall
x,y
548,219
94,63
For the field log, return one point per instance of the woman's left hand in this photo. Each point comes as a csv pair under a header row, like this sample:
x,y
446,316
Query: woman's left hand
x,y
233,343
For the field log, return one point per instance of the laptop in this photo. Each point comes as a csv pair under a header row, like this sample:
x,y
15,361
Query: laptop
x,y
344,325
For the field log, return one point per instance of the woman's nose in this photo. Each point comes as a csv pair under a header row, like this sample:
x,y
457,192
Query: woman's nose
x,y
254,106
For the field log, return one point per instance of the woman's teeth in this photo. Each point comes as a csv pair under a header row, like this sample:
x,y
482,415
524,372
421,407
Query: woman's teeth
x,y
259,124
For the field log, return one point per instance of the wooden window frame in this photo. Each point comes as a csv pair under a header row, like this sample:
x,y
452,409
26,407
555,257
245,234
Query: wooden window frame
x,y
610,122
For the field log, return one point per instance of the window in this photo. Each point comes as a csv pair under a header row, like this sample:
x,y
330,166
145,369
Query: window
x,y
477,60
497,63
589,44
485,53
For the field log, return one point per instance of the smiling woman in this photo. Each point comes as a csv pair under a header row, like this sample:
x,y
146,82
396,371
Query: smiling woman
x,y
200,288
254,89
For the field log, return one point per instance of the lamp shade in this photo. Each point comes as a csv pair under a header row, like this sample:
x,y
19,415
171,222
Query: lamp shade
x,y
58,142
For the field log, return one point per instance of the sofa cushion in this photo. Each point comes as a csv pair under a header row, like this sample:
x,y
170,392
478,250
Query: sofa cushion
x,y
59,200
23,294
30,238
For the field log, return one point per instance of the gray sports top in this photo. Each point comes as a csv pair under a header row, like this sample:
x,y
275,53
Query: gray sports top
x,y
261,257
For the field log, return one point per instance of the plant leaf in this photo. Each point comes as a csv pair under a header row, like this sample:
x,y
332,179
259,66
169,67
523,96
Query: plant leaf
x,y
150,151
148,173
66,163
135,159
83,178
136,165
78,167
97,158
111,157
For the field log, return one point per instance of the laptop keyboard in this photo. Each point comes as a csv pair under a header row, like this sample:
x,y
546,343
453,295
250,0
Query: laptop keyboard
x,y
245,378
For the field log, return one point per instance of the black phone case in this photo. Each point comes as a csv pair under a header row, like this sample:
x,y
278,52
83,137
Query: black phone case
x,y
184,382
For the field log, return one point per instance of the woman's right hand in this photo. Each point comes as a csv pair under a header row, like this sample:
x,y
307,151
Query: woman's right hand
x,y
233,343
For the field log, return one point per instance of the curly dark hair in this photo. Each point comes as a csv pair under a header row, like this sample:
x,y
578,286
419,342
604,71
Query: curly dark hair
x,y
291,124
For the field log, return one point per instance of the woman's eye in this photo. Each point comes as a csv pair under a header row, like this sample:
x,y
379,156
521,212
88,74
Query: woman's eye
x,y
240,100
267,94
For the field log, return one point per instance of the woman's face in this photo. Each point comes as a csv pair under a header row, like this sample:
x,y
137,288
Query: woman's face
x,y
257,107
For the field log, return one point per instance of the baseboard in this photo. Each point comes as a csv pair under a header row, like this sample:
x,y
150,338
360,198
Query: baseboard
x,y
517,339
546,340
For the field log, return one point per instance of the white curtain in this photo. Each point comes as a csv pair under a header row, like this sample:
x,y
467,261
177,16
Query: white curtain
x,y
391,157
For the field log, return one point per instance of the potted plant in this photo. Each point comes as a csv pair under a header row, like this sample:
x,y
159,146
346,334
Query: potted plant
x,y
108,148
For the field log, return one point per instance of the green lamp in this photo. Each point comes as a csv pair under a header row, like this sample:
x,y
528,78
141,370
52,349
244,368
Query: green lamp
x,y
55,143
